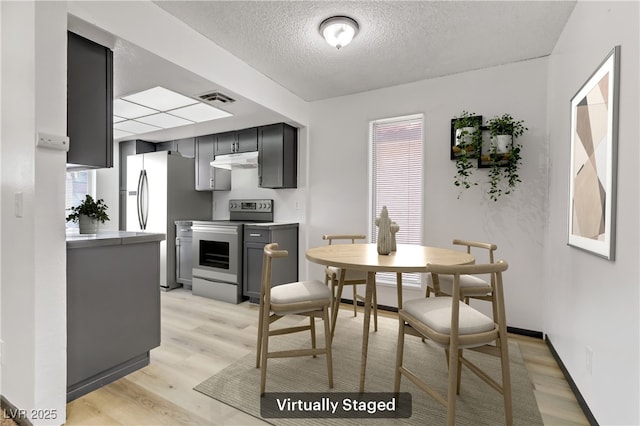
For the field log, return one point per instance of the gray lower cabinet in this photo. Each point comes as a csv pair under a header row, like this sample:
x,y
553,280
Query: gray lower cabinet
x,y
285,270
113,309
184,254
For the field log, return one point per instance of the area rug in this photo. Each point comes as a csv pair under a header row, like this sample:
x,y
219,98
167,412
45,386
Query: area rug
x,y
477,404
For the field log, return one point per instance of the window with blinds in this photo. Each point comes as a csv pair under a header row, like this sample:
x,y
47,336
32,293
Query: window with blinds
x,y
77,185
396,150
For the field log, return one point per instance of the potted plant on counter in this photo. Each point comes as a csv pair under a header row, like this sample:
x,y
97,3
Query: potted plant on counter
x,y
468,138
88,214
504,154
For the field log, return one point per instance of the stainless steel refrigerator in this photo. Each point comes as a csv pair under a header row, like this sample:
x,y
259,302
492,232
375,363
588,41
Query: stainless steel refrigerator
x,y
161,190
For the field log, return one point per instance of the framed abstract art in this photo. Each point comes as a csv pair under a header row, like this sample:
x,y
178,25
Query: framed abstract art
x,y
594,139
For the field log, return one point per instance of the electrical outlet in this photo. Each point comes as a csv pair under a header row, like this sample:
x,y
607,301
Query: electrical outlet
x,y
589,360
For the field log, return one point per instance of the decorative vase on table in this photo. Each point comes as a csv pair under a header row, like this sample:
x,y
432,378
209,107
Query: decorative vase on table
x,y
87,225
394,230
384,232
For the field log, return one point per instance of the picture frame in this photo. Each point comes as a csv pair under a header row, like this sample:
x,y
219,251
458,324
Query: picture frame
x,y
453,152
593,160
484,159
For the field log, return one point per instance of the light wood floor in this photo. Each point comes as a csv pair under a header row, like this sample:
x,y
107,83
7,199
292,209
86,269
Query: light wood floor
x,y
201,337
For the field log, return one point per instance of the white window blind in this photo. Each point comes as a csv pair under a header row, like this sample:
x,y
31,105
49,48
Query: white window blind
x,y
396,149
77,185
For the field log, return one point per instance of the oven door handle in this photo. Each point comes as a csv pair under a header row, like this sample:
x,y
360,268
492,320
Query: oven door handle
x,y
213,229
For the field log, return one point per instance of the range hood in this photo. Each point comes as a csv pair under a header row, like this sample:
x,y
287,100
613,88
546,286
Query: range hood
x,y
241,160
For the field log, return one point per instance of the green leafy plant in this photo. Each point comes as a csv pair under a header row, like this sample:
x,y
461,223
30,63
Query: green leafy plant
x,y
91,208
466,148
506,125
504,166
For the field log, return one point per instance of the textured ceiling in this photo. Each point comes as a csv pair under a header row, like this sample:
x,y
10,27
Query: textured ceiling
x,y
399,41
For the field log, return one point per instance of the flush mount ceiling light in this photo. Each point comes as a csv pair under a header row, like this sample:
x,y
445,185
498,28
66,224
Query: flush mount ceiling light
x,y
338,31
159,108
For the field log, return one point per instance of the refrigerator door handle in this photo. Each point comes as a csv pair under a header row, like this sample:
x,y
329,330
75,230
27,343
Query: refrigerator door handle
x,y
139,199
145,199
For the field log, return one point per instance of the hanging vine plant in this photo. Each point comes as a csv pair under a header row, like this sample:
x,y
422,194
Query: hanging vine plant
x,y
466,142
504,155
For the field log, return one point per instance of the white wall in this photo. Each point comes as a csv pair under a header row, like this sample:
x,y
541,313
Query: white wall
x,y
338,175
33,259
591,301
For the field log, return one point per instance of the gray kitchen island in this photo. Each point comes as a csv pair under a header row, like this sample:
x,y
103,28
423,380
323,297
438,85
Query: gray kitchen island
x,y
113,306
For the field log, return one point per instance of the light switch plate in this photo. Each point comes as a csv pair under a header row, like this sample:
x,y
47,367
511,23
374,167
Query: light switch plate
x,y
50,141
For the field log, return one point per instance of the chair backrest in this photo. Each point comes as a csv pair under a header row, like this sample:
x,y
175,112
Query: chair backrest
x,y
477,244
338,237
495,269
270,252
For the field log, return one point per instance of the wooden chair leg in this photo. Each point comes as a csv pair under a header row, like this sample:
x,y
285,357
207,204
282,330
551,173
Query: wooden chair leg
x,y
355,301
336,308
312,327
259,344
506,381
399,356
327,343
459,378
454,365
265,350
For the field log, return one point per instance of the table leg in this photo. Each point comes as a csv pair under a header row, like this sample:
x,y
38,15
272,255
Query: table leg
x,y
399,288
371,279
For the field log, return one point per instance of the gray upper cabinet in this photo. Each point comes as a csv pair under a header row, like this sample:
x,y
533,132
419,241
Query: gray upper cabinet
x,y
186,147
225,143
204,156
245,140
277,146
89,103
278,156
209,178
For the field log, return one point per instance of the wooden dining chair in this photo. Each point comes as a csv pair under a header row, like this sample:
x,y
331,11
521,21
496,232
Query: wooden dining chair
x,y
470,286
454,325
340,277
310,298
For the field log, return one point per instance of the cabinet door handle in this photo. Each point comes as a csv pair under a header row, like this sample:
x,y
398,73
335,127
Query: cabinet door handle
x,y
255,235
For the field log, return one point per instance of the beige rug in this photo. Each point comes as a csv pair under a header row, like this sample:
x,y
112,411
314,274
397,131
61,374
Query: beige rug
x,y
477,404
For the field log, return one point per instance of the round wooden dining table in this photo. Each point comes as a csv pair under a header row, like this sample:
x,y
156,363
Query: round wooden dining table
x,y
365,257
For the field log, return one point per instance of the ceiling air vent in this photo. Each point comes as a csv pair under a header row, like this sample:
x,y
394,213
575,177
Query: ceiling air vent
x,y
217,97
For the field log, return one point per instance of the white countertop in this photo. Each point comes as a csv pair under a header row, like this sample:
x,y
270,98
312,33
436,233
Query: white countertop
x,y
108,238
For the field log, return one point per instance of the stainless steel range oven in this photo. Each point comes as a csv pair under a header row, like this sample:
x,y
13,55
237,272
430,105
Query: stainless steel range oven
x,y
217,250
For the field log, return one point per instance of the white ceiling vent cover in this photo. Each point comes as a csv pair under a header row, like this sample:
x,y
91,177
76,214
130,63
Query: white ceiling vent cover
x,y
217,97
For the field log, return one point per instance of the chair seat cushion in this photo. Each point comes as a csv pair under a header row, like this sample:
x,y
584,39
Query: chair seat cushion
x,y
350,275
435,313
303,291
466,283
